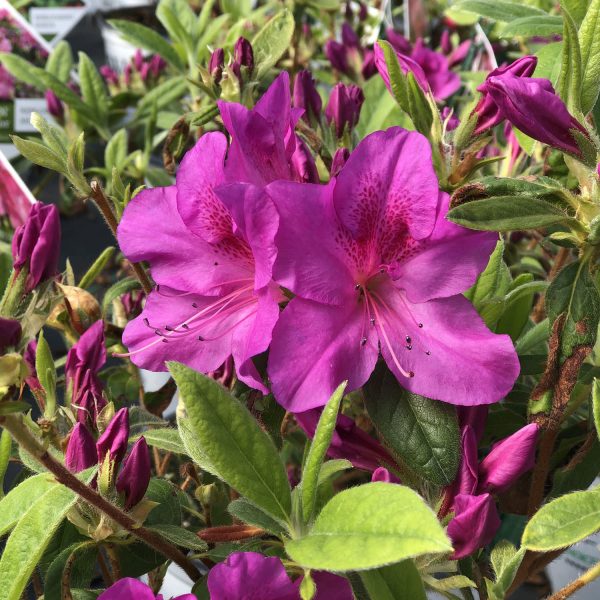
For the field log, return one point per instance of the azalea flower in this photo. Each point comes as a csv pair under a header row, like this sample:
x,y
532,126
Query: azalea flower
x,y
253,576
212,258
376,268
129,588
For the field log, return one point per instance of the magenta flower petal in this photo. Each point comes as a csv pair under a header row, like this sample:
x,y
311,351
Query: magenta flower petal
x,y
466,480
303,379
508,460
442,81
445,354
407,65
475,524
10,333
115,437
127,589
250,576
331,586
382,474
474,417
89,353
200,171
81,449
388,186
452,256
134,477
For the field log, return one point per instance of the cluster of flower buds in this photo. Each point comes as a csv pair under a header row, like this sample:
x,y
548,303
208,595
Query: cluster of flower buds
x,y
343,108
129,476
476,519
141,69
349,56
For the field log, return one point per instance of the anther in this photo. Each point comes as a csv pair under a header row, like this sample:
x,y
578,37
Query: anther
x,y
146,322
357,286
372,321
363,341
409,347
194,305
382,270
168,328
428,352
158,332
408,339
411,373
420,325
157,287
200,338
165,340
185,326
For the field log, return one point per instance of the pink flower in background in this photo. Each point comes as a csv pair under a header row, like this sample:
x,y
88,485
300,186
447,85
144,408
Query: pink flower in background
x,y
15,201
376,268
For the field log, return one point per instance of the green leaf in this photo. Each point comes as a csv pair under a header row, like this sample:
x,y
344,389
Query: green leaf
x,y
423,432
93,89
243,454
397,79
508,213
181,537
46,371
144,37
97,268
596,405
569,82
162,95
589,40
118,289
215,27
577,9
369,526
170,17
574,293
506,561
53,137
395,581
19,499
499,10
5,450
563,522
60,61
379,110
39,154
28,540
82,569
318,450
116,151
245,511
272,41
166,439
538,25
193,446
549,60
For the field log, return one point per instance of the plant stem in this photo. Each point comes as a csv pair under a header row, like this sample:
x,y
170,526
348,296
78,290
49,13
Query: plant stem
x,y
14,424
580,582
540,472
101,201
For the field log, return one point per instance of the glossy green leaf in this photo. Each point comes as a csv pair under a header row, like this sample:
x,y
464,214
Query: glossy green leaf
x,y
505,559
245,511
318,450
589,41
144,37
499,10
401,580
272,41
537,25
369,526
242,453
423,432
563,522
20,498
30,537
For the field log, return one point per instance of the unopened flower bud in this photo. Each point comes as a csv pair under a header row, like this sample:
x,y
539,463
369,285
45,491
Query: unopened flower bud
x,y
339,160
110,75
81,449
349,37
337,55
36,245
134,477
306,96
138,60
54,105
445,42
216,64
10,334
113,440
243,56
343,108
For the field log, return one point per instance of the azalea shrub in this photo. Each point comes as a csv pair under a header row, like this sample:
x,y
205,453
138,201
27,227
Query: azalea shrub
x,y
362,249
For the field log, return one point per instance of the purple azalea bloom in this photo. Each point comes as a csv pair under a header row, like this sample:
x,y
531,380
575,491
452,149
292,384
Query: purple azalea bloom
x,y
475,524
376,267
398,41
253,576
460,53
348,441
369,68
129,588
488,112
343,108
36,244
349,37
382,474
442,81
10,333
134,477
263,142
407,65
337,54
306,96
532,106
114,438
81,449
213,266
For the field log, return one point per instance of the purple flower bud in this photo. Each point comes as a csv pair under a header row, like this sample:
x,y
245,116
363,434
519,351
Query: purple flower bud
x,y
304,169
89,400
532,106
81,449
87,355
474,525
29,357
110,76
54,105
138,60
37,244
446,42
243,56
10,333
382,474
363,12
398,41
453,121
306,96
475,417
369,67
134,477
145,72
349,37
157,65
460,53
337,55
508,460
343,108
127,75
339,160
114,438
216,64
468,473
488,112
